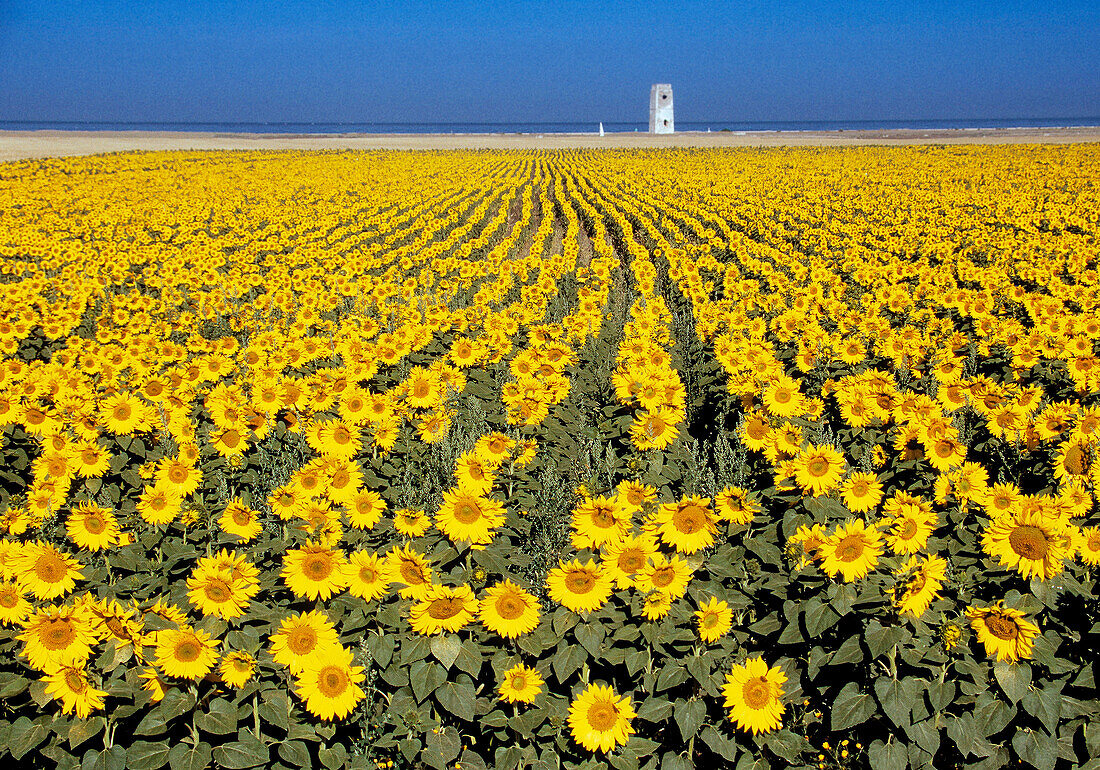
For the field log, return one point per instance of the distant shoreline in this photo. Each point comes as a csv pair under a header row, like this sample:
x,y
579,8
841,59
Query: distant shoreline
x,y
21,145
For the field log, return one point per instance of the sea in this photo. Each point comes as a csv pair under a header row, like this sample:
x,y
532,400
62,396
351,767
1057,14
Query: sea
x,y
574,127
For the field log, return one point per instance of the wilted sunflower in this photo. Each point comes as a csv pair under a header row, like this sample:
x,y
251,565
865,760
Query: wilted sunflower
x,y
852,551
237,668
330,685
92,527
521,684
688,525
579,587
465,516
45,572
302,637
314,571
753,694
714,620
599,720
443,609
186,653
69,684
1029,541
1005,632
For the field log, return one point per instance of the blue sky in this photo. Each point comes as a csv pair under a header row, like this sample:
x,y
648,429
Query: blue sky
x,y
563,60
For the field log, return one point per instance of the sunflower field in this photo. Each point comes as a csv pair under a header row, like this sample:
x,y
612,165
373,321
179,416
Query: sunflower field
x,y
643,459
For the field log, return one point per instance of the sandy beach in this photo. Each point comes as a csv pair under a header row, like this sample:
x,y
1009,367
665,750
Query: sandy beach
x,y
18,145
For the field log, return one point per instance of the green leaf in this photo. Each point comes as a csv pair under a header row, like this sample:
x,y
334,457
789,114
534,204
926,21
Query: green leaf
x,y
242,754
332,757
655,709
724,747
566,660
445,649
295,754
24,735
83,729
590,635
458,698
850,708
689,716
275,709
425,677
147,755
1014,679
671,675
442,748
888,756
469,659
925,734
184,757
894,700
220,718
1036,748
819,618
113,758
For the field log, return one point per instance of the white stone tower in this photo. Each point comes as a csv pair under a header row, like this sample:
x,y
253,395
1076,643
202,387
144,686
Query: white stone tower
x,y
660,109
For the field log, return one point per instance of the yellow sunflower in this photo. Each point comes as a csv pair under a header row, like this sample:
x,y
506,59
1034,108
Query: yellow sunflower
x,y
853,550
521,684
862,492
236,668
45,572
443,609
465,516
623,560
240,520
688,525
409,568
579,587
714,620
217,593
365,509
411,522
923,584
509,611
1088,545
69,684
1029,541
753,694
599,720
1005,632
303,637
736,505
92,527
663,574
186,653
330,685
367,576
314,571
14,607
818,469
599,521
57,636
